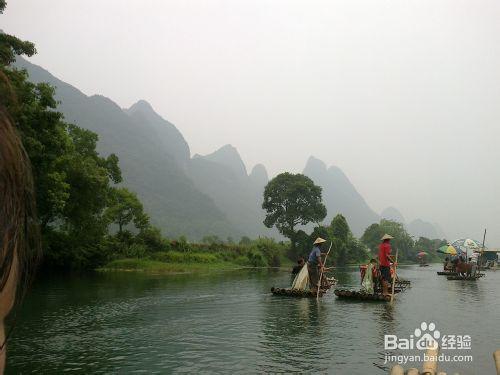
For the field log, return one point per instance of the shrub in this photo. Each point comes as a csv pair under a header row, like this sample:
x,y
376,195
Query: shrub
x,y
256,259
190,257
270,250
135,250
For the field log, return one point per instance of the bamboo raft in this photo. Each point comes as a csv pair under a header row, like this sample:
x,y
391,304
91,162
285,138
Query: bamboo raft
x,y
465,278
401,282
361,296
447,273
356,295
289,292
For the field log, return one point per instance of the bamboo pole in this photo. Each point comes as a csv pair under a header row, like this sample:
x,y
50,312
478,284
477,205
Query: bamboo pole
x,y
496,357
321,274
482,252
430,366
394,276
397,370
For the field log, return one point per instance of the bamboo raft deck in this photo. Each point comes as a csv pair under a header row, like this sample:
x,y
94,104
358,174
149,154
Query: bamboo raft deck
x,y
289,292
356,295
447,273
360,296
465,278
402,282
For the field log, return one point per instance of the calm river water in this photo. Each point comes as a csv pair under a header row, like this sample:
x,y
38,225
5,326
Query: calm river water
x,y
228,322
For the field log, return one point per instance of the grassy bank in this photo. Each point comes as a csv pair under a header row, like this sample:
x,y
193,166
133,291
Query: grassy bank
x,y
218,259
157,266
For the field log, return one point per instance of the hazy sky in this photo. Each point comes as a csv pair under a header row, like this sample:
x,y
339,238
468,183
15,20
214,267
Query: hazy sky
x,y
403,95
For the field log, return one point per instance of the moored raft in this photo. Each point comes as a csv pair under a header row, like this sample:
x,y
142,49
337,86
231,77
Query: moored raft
x,y
289,292
360,296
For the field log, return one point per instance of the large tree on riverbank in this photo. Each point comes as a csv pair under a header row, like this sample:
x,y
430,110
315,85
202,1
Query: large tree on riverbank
x,y
291,200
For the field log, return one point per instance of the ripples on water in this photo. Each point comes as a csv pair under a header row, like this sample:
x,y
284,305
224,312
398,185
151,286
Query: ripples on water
x,y
229,322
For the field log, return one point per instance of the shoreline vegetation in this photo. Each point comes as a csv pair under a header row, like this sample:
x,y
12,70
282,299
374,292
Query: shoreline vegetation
x,y
158,267
151,266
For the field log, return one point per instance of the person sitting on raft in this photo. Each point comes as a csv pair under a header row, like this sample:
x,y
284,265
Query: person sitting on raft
x,y
298,267
385,259
315,264
447,265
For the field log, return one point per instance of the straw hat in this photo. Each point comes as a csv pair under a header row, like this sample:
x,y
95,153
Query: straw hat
x,y
386,237
319,240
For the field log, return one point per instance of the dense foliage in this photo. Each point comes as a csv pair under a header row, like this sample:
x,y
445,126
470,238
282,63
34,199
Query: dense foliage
x,y
406,246
346,249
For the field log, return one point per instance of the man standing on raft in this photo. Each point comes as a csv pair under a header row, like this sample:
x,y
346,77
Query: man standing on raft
x,y
385,259
315,264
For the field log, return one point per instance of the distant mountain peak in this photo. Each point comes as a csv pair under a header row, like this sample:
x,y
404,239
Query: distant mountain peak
x,y
259,175
340,195
229,156
141,105
316,165
392,213
421,228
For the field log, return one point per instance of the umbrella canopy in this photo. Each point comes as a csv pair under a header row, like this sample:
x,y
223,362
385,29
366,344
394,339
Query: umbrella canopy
x,y
467,245
421,254
447,249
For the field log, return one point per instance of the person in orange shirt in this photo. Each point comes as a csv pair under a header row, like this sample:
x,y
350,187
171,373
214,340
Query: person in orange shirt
x,y
385,259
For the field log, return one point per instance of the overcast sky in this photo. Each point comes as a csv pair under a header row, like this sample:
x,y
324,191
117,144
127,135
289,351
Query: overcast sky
x,y
404,96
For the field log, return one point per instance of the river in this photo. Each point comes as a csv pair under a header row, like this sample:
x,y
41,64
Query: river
x,y
228,322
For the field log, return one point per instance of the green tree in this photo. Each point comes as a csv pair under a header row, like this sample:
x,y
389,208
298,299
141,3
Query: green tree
x,y
291,200
10,46
340,232
125,208
340,228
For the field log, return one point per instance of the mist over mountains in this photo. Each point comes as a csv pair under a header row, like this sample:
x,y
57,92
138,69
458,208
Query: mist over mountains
x,y
204,194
